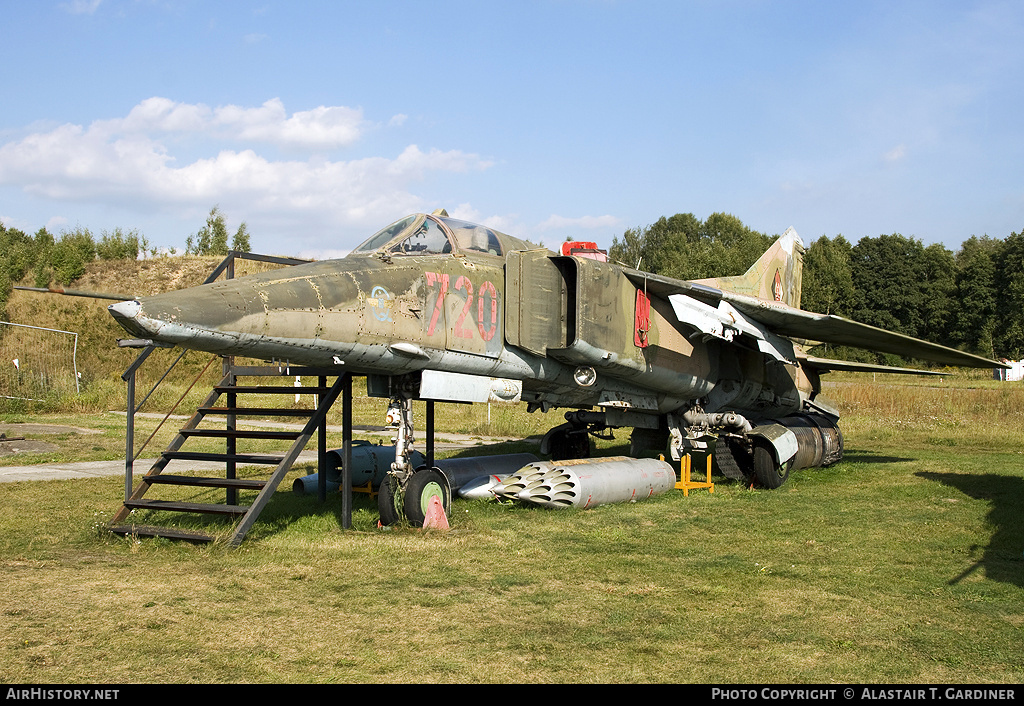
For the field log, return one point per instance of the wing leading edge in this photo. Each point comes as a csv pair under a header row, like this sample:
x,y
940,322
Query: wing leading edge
x,y
784,320
829,328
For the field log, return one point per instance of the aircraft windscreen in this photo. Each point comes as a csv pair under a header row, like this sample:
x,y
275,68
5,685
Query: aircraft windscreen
x,y
471,236
385,235
426,239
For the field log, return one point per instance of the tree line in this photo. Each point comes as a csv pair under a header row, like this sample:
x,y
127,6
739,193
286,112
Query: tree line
x,y
971,299
62,259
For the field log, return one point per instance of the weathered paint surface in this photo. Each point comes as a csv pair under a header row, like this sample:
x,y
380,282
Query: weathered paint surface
x,y
431,293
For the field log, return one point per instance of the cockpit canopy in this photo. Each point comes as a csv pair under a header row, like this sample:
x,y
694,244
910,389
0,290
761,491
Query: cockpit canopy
x,y
422,234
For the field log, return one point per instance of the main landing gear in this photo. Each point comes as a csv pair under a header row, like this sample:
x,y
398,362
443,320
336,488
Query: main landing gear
x,y
572,439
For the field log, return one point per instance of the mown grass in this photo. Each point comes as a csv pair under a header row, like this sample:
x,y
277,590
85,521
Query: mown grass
x,y
734,587
901,564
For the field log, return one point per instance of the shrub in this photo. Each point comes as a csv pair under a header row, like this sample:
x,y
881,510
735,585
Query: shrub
x,y
71,253
119,245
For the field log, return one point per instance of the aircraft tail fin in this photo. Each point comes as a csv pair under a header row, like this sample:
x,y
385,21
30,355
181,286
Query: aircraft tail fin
x,y
776,276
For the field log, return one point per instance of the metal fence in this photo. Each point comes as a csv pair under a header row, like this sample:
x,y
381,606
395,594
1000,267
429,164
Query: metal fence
x,y
36,362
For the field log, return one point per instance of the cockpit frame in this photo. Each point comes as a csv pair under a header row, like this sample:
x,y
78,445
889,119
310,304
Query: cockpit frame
x,y
432,234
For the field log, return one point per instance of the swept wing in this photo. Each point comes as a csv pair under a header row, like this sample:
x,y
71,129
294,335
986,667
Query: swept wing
x,y
784,320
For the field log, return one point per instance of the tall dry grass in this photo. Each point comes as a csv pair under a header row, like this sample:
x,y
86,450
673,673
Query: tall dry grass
x,y
953,411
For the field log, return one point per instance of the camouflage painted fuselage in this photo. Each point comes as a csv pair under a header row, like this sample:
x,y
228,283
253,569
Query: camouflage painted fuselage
x,y
431,293
503,309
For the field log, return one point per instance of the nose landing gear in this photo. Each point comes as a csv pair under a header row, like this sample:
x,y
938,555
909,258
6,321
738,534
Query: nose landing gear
x,y
406,491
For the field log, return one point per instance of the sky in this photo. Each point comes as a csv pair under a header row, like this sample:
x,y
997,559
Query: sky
x,y
318,123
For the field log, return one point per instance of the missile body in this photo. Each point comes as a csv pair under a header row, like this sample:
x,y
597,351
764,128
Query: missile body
x,y
481,488
586,483
462,471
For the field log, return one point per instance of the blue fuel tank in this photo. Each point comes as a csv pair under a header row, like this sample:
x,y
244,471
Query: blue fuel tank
x,y
370,464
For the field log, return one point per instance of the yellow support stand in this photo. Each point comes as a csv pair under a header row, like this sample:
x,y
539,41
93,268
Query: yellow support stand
x,y
368,489
686,484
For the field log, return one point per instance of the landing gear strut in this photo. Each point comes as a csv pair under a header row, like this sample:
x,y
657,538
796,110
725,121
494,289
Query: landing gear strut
x,y
406,491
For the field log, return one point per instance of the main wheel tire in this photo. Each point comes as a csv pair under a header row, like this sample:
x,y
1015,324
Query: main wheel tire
x,y
389,500
570,444
422,486
767,470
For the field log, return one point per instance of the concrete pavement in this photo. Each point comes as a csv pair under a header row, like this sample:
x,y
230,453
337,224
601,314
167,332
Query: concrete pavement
x,y
92,469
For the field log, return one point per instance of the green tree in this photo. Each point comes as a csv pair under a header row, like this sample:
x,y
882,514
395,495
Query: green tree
x,y
887,273
630,250
726,247
6,287
212,239
660,247
71,253
972,323
938,287
119,245
1010,300
18,252
42,248
683,247
240,241
827,277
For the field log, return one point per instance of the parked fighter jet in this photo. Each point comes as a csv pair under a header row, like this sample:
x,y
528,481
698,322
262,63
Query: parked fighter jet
x,y
436,308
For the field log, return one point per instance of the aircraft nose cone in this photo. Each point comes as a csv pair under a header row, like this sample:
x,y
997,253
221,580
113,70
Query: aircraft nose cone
x,y
125,310
126,313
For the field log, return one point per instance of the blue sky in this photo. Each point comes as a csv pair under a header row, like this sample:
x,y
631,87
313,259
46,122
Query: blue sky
x,y
319,122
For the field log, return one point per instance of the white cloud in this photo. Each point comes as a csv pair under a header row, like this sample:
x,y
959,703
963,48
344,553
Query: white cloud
x,y
159,115
896,154
81,7
129,162
320,128
323,128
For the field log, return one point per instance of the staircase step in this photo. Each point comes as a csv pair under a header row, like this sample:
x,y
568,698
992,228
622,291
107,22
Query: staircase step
x,y
199,481
256,459
168,532
271,389
175,506
247,514
242,434
257,411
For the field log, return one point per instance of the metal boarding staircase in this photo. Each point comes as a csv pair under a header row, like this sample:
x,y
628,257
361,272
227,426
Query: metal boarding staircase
x,y
138,497
245,513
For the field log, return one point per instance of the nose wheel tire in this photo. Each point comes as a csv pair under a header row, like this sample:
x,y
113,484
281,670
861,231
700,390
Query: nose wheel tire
x,y
389,500
423,485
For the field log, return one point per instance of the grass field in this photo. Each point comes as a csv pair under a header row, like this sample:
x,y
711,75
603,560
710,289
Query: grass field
x,y
901,564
